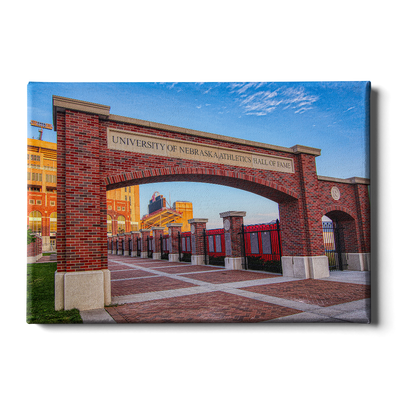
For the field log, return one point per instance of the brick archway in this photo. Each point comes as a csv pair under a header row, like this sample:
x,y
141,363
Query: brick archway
x,y
98,151
262,187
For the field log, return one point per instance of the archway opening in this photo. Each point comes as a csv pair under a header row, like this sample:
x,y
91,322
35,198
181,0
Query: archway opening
x,y
340,238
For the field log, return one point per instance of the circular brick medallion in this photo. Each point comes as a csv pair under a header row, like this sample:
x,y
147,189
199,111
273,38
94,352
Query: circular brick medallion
x,y
192,229
227,224
335,193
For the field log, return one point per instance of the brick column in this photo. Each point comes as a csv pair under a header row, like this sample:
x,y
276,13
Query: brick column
x,y
174,229
114,239
145,234
157,232
127,236
303,253
82,280
232,222
120,238
197,227
135,236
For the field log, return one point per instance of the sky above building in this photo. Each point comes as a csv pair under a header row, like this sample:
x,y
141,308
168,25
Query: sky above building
x,y
331,116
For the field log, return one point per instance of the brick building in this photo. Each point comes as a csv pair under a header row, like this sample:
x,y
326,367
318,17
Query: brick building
x,y
123,205
123,210
42,191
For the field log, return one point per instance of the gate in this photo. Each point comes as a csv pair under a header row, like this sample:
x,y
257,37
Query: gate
x,y
139,246
334,245
123,246
214,245
164,247
184,246
261,246
149,247
130,246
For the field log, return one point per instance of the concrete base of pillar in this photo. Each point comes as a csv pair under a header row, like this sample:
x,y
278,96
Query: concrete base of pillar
x,y
233,262
126,253
134,254
86,290
143,254
359,261
197,259
109,251
173,257
119,253
156,256
33,259
315,267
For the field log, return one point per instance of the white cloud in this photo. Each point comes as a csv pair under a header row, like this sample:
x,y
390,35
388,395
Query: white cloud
x,y
262,102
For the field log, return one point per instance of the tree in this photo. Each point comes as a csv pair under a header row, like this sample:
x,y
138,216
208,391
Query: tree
x,y
31,237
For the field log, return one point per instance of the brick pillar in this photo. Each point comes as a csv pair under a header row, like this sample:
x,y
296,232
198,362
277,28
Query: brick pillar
x,y
115,244
82,280
135,236
174,229
157,232
127,236
197,227
120,243
232,222
303,253
145,234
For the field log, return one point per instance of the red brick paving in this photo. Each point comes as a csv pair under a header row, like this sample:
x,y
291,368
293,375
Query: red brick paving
x,y
118,267
318,292
205,307
227,276
122,288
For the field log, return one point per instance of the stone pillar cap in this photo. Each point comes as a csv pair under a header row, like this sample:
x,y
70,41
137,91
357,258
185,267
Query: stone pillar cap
x,y
174,224
135,232
145,230
194,220
232,214
156,228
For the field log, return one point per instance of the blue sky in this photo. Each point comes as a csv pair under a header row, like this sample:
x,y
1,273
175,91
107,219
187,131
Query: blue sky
x,y
330,116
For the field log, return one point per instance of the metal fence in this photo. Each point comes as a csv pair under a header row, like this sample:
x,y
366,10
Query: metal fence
x,y
334,245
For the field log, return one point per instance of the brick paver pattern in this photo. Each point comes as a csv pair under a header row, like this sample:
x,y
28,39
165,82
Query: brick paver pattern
x,y
205,307
144,277
318,292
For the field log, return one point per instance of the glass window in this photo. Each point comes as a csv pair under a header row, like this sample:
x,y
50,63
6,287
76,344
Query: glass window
x,y
35,222
39,202
121,224
109,224
53,222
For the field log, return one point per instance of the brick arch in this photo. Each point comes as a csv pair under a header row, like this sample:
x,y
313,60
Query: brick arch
x,y
259,186
342,213
89,162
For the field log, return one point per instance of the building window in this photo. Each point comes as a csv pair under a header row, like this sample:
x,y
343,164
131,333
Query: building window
x,y
121,224
32,202
130,200
39,202
53,222
109,207
129,189
123,208
51,178
126,198
29,176
125,189
119,208
35,222
53,203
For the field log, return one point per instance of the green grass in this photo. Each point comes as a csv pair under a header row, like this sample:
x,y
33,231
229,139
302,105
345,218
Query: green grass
x,y
40,297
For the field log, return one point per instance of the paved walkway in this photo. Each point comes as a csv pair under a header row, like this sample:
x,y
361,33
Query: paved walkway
x,y
158,291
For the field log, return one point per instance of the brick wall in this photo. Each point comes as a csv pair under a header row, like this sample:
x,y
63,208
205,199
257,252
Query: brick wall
x,y
34,250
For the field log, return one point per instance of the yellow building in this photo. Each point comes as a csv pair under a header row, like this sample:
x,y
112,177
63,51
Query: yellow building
x,y
131,195
186,209
42,191
42,195
161,215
